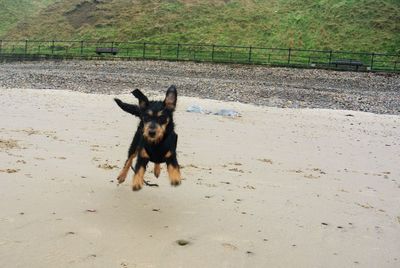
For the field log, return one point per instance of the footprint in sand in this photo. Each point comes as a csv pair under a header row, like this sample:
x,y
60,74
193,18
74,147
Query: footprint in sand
x,y
9,144
249,187
367,206
9,170
236,170
296,170
229,246
267,161
311,176
235,163
107,166
95,148
318,170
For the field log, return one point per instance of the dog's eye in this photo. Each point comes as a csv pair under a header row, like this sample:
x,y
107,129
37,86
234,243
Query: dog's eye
x,y
162,119
146,117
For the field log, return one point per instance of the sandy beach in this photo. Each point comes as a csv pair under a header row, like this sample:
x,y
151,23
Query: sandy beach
x,y
276,187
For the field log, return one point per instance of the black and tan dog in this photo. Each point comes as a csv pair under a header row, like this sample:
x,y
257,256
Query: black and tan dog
x,y
155,139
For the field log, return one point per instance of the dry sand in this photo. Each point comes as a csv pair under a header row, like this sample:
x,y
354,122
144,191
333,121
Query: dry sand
x,y
273,188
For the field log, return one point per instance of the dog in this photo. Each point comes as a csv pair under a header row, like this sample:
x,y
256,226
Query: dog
x,y
155,139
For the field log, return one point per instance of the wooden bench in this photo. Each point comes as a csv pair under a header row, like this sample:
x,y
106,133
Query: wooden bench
x,y
107,50
348,64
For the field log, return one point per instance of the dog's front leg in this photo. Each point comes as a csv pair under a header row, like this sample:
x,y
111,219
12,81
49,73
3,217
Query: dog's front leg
x,y
131,155
140,168
124,172
173,170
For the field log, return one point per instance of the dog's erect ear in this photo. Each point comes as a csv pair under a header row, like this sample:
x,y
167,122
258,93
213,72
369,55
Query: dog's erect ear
x,y
171,98
143,100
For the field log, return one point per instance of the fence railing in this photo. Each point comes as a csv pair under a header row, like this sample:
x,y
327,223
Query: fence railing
x,y
291,57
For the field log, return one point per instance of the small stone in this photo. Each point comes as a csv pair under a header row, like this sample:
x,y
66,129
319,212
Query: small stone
x,y
91,210
182,242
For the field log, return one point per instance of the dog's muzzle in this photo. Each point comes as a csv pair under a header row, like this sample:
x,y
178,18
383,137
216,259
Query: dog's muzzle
x,y
152,133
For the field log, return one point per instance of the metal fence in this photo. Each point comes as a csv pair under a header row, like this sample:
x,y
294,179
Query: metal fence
x,y
302,58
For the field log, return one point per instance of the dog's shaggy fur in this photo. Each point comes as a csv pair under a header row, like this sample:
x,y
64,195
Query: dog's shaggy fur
x,y
155,139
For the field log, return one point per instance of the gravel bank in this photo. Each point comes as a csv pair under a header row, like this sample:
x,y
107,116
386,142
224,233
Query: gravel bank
x,y
278,87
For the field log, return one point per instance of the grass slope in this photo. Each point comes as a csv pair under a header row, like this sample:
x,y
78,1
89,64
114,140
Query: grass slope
x,y
17,11
357,25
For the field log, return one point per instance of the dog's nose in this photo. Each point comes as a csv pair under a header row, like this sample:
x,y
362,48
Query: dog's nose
x,y
152,133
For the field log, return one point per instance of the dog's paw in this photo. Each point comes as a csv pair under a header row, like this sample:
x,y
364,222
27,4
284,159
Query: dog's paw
x,y
122,176
121,179
136,187
138,180
175,182
174,175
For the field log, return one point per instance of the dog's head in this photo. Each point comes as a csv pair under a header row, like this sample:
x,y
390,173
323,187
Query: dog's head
x,y
156,115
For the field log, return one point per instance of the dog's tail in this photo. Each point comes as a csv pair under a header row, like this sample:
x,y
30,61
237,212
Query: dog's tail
x,y
129,108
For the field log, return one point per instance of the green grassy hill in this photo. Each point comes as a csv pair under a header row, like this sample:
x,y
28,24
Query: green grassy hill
x,y
357,25
13,12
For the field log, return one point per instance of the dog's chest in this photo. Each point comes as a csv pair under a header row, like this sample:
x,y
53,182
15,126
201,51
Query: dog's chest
x,y
160,152
157,154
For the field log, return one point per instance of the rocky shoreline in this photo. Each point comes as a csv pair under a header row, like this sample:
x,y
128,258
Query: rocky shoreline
x,y
276,87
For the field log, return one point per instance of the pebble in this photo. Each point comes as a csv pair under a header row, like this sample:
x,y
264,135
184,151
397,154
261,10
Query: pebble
x,y
182,242
260,85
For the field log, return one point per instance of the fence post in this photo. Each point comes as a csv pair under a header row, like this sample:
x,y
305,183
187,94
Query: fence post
x,y
177,51
372,60
212,53
144,50
289,55
250,53
26,47
81,48
330,58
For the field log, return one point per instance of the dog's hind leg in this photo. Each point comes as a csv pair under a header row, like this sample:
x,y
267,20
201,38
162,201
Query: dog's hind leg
x,y
157,170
